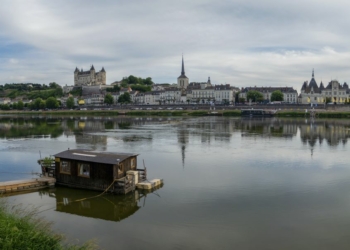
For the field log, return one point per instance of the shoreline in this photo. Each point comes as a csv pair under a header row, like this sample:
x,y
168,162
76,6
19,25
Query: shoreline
x,y
321,113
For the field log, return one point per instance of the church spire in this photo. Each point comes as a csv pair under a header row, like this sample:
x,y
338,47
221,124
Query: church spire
x,y
313,73
183,66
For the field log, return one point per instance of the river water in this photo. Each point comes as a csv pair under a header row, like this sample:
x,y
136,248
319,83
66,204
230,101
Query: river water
x,y
229,183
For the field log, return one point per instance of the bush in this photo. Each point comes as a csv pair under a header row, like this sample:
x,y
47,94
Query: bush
x,y
21,229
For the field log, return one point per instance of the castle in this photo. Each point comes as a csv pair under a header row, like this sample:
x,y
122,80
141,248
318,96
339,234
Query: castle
x,y
90,77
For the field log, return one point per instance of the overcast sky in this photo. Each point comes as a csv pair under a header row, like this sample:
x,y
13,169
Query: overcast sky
x,y
240,42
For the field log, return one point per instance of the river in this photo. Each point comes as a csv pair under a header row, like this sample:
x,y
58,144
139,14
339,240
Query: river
x,y
229,183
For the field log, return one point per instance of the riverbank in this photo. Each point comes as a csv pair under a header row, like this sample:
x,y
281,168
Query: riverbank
x,y
22,229
230,113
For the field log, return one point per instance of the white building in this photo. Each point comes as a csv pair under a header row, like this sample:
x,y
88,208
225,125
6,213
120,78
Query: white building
x,y
290,95
311,93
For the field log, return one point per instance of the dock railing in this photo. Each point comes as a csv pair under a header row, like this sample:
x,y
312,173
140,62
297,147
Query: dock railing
x,y
142,174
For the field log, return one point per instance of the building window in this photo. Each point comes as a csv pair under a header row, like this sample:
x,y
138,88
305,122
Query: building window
x,y
84,170
65,167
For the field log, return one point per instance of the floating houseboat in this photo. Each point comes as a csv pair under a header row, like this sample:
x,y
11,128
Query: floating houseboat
x,y
115,172
257,113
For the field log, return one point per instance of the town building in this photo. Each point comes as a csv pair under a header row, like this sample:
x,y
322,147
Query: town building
x,y
290,95
334,92
90,77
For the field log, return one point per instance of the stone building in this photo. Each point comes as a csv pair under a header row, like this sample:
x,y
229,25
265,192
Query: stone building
x,y
90,77
334,92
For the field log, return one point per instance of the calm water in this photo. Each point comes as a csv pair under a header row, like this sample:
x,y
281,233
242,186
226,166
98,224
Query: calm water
x,y
229,183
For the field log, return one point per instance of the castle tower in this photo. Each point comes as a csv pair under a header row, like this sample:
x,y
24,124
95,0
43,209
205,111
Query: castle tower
x,y
92,75
76,71
182,80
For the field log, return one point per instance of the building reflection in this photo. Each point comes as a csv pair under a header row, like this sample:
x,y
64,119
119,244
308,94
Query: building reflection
x,y
107,207
94,131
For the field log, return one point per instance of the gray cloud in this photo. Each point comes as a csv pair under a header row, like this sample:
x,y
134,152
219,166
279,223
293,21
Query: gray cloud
x,y
244,43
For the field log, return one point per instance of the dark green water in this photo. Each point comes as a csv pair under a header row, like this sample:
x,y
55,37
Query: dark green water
x,y
229,183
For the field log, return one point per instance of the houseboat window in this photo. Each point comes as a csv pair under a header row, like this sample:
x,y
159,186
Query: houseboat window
x,y
84,170
65,167
133,163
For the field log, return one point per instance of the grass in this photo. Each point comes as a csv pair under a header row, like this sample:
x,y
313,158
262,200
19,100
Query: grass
x,y
22,229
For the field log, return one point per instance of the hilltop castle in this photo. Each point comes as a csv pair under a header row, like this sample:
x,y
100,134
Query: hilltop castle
x,y
90,77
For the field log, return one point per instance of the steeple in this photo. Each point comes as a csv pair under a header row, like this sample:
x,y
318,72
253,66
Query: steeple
x,y
313,75
76,70
183,66
182,69
92,67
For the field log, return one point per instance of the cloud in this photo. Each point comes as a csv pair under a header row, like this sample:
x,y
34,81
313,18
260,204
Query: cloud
x,y
244,43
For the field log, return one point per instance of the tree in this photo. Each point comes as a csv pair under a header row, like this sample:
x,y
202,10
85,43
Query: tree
x,y
254,95
115,88
124,98
70,102
20,105
277,96
109,99
53,85
36,104
51,103
328,99
42,104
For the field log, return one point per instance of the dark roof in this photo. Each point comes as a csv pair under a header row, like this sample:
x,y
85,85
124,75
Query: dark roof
x,y
182,69
321,86
76,70
269,89
93,156
92,67
103,69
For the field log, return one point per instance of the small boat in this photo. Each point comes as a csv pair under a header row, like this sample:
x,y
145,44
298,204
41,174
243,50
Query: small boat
x,y
257,113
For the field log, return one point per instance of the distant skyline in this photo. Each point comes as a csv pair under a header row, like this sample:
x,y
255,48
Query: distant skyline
x,y
241,42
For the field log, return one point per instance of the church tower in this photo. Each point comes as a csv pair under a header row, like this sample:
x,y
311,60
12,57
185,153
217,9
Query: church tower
x,y
182,80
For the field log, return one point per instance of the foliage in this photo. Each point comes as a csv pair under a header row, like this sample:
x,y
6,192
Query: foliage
x,y
115,88
77,91
124,98
254,95
70,102
4,107
20,105
276,96
51,103
328,99
232,113
141,88
21,229
241,100
237,96
109,99
137,80
47,161
42,104
36,104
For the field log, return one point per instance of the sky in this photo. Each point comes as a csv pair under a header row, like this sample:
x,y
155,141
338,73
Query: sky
x,y
269,43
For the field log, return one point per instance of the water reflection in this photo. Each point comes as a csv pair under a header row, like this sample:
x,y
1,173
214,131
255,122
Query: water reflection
x,y
107,207
95,130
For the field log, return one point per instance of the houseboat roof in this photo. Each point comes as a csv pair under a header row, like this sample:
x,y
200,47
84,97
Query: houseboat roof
x,y
94,156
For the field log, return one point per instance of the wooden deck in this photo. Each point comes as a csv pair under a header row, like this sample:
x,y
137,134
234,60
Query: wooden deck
x,y
26,185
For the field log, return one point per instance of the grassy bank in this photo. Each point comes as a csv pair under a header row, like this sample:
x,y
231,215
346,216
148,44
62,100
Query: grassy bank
x,y
21,229
319,114
228,113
